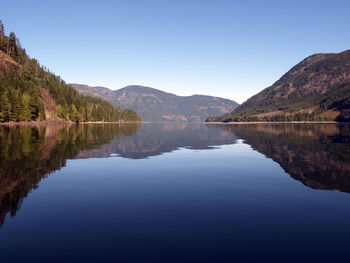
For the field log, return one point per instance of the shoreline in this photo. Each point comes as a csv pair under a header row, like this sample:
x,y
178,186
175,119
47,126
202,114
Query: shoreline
x,y
63,122
59,122
278,122
107,122
35,123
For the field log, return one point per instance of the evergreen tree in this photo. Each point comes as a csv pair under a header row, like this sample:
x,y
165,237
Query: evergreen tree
x,y
2,36
42,115
61,112
4,107
25,111
73,113
15,107
12,46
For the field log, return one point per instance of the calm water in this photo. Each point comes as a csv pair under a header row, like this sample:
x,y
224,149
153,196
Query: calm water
x,y
175,193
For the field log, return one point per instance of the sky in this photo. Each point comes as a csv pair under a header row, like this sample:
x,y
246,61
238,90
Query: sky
x,y
231,49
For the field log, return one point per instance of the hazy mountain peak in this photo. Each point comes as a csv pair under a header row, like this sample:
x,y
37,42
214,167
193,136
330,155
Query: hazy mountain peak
x,y
156,105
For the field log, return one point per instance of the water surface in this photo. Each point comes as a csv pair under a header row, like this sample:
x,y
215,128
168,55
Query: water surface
x,y
175,193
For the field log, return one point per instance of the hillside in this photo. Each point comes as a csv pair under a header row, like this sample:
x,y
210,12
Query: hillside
x,y
29,92
318,88
156,105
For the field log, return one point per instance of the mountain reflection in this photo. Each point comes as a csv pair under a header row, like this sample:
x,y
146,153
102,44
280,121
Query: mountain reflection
x,y
29,154
316,155
156,139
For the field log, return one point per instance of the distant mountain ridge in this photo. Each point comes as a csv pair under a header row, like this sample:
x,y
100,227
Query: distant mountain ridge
x,y
318,88
159,106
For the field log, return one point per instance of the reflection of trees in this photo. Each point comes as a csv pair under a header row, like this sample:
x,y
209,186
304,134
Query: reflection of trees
x,y
28,154
316,155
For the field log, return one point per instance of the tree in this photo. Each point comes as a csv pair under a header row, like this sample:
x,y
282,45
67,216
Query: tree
x,y
34,105
2,29
2,36
73,113
12,46
15,107
42,115
61,112
25,109
4,107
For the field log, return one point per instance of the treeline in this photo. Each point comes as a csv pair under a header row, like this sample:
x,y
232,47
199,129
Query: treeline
x,y
273,118
343,117
21,91
337,99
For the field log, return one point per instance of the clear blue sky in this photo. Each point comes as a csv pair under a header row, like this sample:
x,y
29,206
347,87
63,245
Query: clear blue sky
x,y
231,49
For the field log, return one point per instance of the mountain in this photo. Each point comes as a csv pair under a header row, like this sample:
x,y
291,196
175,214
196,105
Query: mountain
x,y
318,88
29,92
155,105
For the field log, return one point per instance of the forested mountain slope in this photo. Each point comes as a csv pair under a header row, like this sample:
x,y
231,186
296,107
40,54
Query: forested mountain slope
x,y
159,106
318,88
30,92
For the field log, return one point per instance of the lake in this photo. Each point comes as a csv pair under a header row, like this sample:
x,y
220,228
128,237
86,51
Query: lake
x,y
175,193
